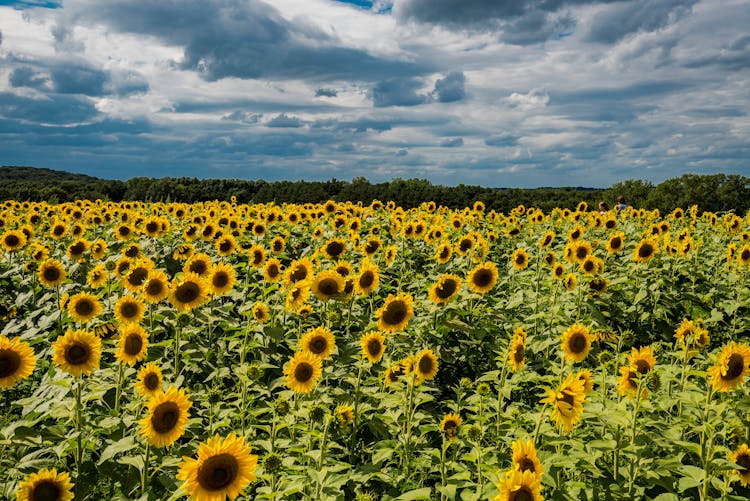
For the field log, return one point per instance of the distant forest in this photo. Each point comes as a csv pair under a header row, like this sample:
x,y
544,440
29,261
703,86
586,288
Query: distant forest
x,y
716,193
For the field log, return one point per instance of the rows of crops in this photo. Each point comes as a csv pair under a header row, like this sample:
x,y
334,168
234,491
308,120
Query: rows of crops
x,y
341,351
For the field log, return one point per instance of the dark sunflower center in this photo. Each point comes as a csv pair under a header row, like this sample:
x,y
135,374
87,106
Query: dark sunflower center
x,y
77,354
735,367
645,250
133,344
220,279
610,224
582,252
444,253
449,427
152,227
124,231
151,381
3,310
526,464
559,271
334,249
46,490
303,372
374,347
597,285
129,310
465,244
446,289
218,472
425,365
642,366
519,354
482,278
366,279
299,273
225,246
588,266
546,241
58,230
576,234
198,267
520,259
154,288
372,247
51,274
273,271
744,461
11,240
745,255
138,276
278,246
84,307
328,286
318,345
165,417
187,292
395,313
568,399
10,361
522,494
577,343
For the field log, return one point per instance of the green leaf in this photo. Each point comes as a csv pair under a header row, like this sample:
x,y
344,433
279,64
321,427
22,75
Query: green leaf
x,y
123,445
423,493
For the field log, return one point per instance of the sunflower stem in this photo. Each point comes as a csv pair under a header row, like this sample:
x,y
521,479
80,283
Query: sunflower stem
x,y
480,478
443,481
538,427
321,458
706,448
503,375
355,421
178,329
633,467
79,442
144,471
118,390
683,379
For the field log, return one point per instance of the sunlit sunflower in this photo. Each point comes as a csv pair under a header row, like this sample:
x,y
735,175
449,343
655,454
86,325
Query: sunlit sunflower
x,y
302,371
17,361
344,415
299,270
226,245
149,380
167,417
13,240
425,365
260,312
319,342
443,252
450,425
525,458
517,352
327,285
334,248
587,377
137,273
482,278
580,250
576,342
77,250
741,457
77,352
84,307
133,344
188,291
731,367
645,250
570,282
297,295
558,271
278,244
743,255
272,270
155,287
200,264
395,313
567,402
446,288
97,276
45,485
183,252
520,259
575,233
372,245
221,279
51,273
223,468
57,230
640,362
391,252
368,278
128,309
373,346
616,242
519,486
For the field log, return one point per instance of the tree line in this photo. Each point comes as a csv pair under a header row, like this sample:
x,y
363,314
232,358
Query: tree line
x,y
717,192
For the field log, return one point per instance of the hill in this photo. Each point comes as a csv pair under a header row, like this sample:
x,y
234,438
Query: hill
x,y
40,175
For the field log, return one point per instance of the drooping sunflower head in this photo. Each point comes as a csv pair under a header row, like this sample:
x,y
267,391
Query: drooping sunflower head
x,y
450,426
445,289
133,344
525,458
344,415
483,277
84,307
391,252
567,402
517,353
741,457
128,309
373,346
17,361
319,342
297,295
149,380
45,485
547,239
731,367
167,417
302,371
395,313
51,273
221,279
576,342
77,352
188,291
587,378
570,282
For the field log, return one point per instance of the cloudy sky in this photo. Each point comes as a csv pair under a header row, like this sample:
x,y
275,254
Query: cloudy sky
x,y
504,93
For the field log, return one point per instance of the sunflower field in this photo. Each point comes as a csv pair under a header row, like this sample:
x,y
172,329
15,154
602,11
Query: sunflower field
x,y
342,351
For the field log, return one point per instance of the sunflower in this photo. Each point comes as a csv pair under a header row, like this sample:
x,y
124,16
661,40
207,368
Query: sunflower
x,y
334,248
743,256
645,250
319,342
188,292
77,352
576,342
547,239
368,278
200,264
297,296
390,254
167,417
13,240
302,371
395,313
443,252
45,485
327,284
425,365
97,276
183,252
373,346
575,233
520,259
133,344
76,251
128,309
731,367
226,245
525,459
517,352
446,288
482,278
299,270
17,361
58,230
260,312
579,251
640,362
558,271
393,374
278,244
616,242
149,380
450,425
84,307
598,286
372,245
137,274
570,282
51,273
155,286
272,270
7,312
221,279
587,377
344,414
567,402
741,457
517,485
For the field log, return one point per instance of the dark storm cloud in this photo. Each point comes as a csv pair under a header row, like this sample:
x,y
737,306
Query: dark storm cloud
x,y
624,18
450,88
79,80
223,38
501,140
69,78
26,76
453,142
284,121
397,92
323,92
53,109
